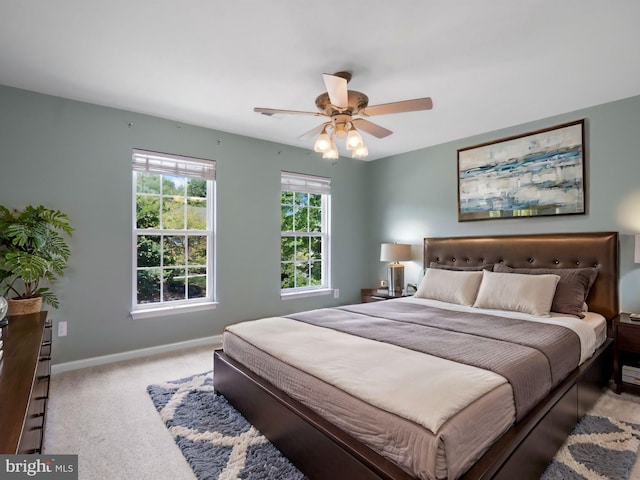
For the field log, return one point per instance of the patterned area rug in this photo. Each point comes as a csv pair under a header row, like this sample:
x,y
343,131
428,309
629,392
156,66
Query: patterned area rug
x,y
598,448
219,444
216,440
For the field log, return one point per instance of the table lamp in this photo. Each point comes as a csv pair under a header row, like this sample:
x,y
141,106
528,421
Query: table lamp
x,y
395,253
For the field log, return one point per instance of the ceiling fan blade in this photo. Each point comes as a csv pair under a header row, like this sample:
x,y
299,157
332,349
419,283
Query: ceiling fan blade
x,y
272,111
314,131
398,107
337,90
371,128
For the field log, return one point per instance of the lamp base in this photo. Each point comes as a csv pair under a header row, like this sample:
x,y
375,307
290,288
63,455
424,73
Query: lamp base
x,y
396,279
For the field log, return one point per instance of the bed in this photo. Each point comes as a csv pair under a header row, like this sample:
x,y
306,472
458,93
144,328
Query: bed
x,y
331,431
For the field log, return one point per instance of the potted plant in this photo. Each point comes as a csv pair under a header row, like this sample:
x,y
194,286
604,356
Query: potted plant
x,y
32,249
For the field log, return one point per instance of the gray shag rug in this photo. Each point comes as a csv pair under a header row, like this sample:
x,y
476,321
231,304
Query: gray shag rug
x,y
598,448
219,444
216,440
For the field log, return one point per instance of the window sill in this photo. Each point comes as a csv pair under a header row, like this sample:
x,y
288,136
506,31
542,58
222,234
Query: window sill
x,y
306,293
172,310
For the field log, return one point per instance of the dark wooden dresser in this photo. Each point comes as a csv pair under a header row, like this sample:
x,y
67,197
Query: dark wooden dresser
x,y
25,371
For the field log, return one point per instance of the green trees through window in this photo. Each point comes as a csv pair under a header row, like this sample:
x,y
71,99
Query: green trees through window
x,y
304,238
171,238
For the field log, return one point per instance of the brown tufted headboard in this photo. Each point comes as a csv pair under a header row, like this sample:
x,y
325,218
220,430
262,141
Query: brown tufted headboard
x,y
567,250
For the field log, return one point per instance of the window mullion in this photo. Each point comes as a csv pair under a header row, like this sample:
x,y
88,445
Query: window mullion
x,y
160,215
185,246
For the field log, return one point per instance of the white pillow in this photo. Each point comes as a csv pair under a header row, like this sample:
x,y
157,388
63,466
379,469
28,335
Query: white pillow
x,y
517,292
450,286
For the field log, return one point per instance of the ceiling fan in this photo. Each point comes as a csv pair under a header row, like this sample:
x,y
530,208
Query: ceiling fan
x,y
341,106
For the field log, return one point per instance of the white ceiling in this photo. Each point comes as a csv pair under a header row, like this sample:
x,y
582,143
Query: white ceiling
x,y
486,64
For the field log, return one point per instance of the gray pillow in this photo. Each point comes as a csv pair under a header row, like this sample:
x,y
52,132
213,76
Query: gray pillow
x,y
572,290
460,269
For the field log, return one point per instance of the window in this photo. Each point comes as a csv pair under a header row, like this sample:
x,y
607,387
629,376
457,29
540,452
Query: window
x,y
304,240
173,232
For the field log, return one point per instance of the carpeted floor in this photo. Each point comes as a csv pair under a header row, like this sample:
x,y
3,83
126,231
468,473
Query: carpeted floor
x,y
219,443
104,415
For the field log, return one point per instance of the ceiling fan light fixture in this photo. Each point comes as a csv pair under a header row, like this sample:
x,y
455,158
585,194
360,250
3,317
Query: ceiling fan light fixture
x,y
360,152
338,105
323,142
354,139
332,153
340,129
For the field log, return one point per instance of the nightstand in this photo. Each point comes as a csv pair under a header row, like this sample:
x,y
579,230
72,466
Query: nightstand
x,y
368,295
626,334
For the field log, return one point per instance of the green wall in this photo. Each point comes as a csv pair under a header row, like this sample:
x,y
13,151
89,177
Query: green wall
x,y
76,157
414,195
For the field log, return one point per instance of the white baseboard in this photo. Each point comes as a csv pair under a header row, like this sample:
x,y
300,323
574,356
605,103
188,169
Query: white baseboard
x,y
215,342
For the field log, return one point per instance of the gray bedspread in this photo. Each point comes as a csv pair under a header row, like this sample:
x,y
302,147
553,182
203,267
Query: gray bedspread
x,y
532,356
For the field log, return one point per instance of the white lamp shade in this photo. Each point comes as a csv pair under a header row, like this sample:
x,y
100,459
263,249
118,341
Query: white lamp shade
x,y
637,251
332,153
354,140
395,252
323,142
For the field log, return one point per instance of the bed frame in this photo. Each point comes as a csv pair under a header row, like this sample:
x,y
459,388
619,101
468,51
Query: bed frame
x,y
322,451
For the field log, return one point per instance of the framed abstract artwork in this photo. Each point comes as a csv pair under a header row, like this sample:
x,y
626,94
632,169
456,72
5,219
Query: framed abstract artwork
x,y
535,174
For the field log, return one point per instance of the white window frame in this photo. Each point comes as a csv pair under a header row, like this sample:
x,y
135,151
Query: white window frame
x,y
179,166
302,183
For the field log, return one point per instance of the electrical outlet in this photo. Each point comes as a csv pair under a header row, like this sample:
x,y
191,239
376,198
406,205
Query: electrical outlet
x,y
62,329
336,293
